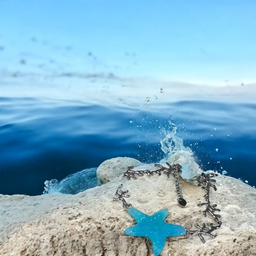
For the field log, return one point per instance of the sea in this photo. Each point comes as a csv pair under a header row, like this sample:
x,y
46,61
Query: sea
x,y
54,135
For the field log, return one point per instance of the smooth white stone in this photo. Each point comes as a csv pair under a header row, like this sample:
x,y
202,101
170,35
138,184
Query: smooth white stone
x,y
112,168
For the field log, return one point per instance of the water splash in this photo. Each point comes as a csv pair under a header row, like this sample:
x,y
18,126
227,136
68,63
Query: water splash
x,y
171,143
175,152
73,183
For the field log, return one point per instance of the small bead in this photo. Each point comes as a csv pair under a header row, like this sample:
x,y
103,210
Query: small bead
x,y
182,202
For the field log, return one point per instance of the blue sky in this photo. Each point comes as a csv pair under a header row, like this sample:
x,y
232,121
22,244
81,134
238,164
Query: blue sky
x,y
178,40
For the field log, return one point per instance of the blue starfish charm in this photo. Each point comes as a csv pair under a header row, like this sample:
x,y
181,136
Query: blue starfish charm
x,y
154,228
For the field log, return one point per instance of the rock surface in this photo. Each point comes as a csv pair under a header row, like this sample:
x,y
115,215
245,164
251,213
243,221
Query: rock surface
x,y
91,223
112,168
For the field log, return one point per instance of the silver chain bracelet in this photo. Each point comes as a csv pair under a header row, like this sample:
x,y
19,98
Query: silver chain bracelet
x,y
154,227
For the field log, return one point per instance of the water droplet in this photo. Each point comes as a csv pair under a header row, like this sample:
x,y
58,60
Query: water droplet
x,y
224,172
131,121
161,90
246,181
230,158
217,150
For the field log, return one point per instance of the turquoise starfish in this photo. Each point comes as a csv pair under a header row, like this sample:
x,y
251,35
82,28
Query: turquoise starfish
x,y
154,228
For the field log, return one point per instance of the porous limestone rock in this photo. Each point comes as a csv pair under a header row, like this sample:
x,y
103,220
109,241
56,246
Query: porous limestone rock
x,y
112,168
92,224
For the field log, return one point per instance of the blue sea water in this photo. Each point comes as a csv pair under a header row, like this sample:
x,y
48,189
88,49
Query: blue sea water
x,y
43,139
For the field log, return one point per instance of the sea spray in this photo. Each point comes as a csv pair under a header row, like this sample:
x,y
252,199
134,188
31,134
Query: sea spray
x,y
175,152
73,183
171,143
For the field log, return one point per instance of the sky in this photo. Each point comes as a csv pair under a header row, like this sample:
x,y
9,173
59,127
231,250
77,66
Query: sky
x,y
200,41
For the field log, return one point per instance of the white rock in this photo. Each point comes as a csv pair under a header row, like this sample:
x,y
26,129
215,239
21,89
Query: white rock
x,y
112,168
92,224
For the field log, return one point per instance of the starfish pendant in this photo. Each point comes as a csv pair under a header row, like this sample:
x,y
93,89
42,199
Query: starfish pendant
x,y
154,227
